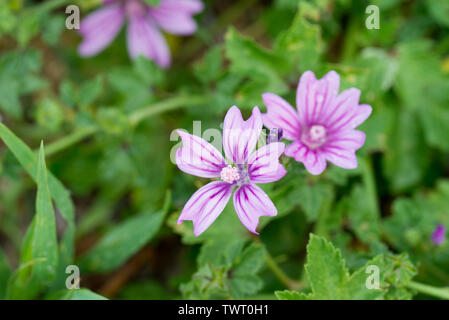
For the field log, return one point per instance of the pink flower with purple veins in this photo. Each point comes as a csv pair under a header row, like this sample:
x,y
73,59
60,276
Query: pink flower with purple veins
x,y
323,126
244,169
144,21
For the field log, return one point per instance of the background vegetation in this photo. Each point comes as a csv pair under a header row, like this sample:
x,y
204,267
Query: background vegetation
x,y
106,124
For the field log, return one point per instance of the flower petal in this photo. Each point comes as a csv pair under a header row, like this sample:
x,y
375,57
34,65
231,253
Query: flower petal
x,y
349,140
174,22
176,16
250,203
240,137
344,158
346,113
144,39
263,164
280,114
100,28
313,160
205,205
198,157
313,96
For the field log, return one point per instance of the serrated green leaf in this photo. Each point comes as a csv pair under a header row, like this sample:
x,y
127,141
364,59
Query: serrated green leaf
x,y
329,278
406,157
325,269
290,295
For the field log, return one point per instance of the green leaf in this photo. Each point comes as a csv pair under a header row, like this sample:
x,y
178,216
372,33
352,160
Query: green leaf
x,y
210,67
364,221
290,295
406,157
230,271
413,220
122,241
329,277
439,10
5,272
40,244
261,66
153,3
301,43
148,71
244,280
44,243
90,91
52,29
209,282
58,192
9,91
326,270
81,294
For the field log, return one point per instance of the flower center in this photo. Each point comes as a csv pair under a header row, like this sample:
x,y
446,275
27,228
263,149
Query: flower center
x,y
314,137
133,7
230,174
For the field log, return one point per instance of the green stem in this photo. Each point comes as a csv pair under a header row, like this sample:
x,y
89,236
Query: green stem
x,y
134,119
281,275
442,293
70,140
166,105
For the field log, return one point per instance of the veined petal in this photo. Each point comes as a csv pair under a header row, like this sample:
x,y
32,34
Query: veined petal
x,y
263,164
173,21
350,140
353,119
184,6
205,205
100,28
144,39
280,114
240,137
250,203
313,160
344,158
345,112
198,157
313,97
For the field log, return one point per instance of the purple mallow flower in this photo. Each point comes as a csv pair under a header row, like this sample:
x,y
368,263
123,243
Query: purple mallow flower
x,y
244,169
439,235
323,127
143,34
